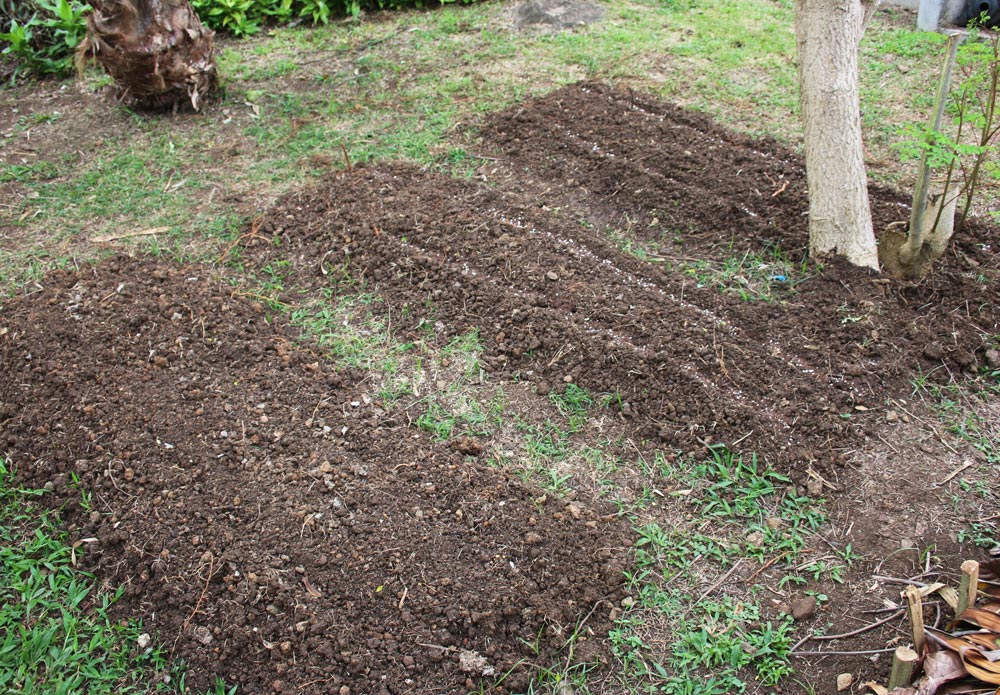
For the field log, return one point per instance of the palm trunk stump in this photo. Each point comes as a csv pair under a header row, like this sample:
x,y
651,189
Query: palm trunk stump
x,y
157,51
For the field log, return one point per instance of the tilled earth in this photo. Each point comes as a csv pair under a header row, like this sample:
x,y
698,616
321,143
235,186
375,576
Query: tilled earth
x,y
282,528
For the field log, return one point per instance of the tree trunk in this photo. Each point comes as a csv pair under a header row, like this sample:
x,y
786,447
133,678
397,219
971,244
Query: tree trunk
x,y
932,221
827,34
157,51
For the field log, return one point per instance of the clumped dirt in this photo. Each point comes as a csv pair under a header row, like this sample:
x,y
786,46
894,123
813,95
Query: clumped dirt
x,y
283,530
265,516
555,299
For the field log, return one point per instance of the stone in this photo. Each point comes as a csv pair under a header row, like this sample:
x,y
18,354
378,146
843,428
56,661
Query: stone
x,y
803,608
556,15
993,359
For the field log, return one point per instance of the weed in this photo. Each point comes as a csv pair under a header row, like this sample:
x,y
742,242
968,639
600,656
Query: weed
x,y
753,276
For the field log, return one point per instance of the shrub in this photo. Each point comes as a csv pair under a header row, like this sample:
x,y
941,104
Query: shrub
x,y
42,35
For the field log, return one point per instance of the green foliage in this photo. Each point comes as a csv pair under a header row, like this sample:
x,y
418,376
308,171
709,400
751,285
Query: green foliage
x,y
55,634
967,151
43,35
246,17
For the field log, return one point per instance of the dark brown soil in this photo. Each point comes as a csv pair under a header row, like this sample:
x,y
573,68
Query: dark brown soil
x,y
280,528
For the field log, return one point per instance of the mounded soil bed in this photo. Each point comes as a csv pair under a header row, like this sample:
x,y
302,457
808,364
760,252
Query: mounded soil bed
x,y
277,526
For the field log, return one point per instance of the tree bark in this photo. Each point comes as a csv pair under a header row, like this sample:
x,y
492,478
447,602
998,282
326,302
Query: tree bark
x,y
158,52
828,33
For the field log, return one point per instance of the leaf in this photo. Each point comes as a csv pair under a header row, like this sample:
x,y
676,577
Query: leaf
x,y
982,618
939,668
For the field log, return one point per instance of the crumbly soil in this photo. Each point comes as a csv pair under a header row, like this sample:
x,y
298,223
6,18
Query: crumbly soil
x,y
279,526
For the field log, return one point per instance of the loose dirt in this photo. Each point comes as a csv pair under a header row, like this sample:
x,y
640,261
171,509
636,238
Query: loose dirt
x,y
283,528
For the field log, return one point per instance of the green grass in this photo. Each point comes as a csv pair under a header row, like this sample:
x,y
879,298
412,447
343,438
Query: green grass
x,y
56,637
721,642
767,276
414,87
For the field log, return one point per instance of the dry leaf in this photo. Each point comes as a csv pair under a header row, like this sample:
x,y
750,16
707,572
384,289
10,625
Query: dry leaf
x,y
984,619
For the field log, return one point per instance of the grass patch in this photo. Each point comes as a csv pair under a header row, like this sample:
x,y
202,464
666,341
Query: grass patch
x,y
294,97
766,276
56,637
721,643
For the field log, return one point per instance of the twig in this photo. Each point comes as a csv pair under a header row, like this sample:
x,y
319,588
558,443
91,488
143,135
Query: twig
x,y
781,190
128,235
350,169
839,653
955,472
852,633
720,582
201,597
897,580
766,565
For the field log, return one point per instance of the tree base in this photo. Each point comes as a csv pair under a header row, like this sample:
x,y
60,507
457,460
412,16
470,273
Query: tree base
x,y
890,245
158,52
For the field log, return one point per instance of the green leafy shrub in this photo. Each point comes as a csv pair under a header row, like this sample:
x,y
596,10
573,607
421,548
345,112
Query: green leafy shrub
x,y
245,17
42,35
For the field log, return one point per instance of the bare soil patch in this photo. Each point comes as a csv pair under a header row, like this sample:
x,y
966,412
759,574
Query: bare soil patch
x,y
281,528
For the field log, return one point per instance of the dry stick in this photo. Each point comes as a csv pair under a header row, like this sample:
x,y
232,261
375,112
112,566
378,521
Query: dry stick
x,y
350,169
915,609
852,633
903,662
720,582
766,565
955,472
841,653
127,235
201,597
967,586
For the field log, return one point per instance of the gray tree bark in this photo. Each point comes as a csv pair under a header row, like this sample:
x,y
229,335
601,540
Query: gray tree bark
x,y
827,34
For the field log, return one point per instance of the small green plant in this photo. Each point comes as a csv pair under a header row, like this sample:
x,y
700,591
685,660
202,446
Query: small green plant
x,y
753,276
45,42
967,153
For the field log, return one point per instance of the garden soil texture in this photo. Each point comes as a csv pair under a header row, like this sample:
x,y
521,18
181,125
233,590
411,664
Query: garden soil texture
x,y
277,524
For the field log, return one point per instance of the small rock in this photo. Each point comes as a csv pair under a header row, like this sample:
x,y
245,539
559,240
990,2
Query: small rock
x,y
844,681
803,608
203,635
532,538
552,275
542,388
756,539
474,662
143,640
774,523
934,351
993,359
892,416
467,445
565,688
814,486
